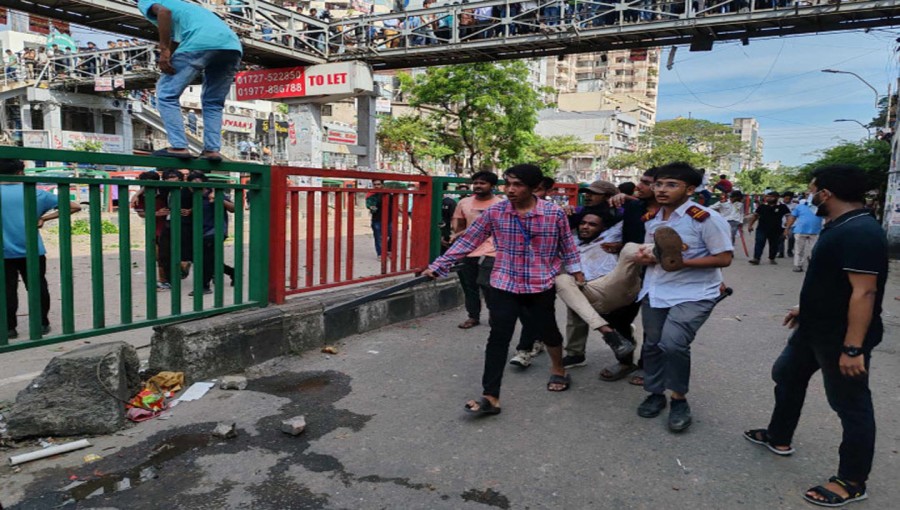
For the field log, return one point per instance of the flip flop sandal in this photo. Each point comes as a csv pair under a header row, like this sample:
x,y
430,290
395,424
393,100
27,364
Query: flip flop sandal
x,y
484,407
564,380
761,437
833,500
668,248
469,324
169,154
617,371
637,379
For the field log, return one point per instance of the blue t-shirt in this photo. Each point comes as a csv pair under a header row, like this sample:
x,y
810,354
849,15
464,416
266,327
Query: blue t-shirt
x,y
13,200
193,27
807,222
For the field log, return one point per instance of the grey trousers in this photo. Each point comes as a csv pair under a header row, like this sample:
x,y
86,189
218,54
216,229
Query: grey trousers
x,y
668,333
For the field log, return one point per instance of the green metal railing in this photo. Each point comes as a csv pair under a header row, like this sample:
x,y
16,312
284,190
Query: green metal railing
x,y
101,284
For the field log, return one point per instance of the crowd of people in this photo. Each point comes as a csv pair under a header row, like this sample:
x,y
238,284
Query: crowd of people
x,y
118,57
184,214
528,17
660,253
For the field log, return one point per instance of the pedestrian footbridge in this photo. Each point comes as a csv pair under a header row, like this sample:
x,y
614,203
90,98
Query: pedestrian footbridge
x,y
275,36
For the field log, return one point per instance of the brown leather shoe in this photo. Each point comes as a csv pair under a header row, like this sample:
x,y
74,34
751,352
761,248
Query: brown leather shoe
x,y
470,323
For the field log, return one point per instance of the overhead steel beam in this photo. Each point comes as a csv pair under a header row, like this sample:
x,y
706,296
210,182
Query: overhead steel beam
x,y
293,39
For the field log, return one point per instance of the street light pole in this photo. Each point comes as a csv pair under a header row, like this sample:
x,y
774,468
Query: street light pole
x,y
860,78
868,131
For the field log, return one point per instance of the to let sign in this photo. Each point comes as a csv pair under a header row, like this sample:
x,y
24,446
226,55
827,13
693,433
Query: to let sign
x,y
343,78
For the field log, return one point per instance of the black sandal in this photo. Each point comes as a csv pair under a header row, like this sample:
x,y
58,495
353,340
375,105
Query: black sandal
x,y
482,407
565,380
761,437
855,492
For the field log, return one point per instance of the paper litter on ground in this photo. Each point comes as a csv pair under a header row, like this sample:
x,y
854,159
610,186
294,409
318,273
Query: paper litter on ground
x,y
195,392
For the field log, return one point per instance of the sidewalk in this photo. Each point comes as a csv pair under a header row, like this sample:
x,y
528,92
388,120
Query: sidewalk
x,y
386,429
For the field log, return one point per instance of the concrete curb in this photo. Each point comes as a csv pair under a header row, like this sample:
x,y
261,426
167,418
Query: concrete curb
x,y
232,342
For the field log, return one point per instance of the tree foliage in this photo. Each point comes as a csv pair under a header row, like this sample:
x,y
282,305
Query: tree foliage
x,y
549,152
702,143
873,156
486,112
759,179
879,121
412,136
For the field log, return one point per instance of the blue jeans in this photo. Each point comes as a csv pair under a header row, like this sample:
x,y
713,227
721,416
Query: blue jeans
x,y
218,68
376,231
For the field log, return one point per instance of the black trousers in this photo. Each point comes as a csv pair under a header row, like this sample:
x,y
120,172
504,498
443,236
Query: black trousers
x,y
537,311
13,269
209,260
468,279
850,399
773,238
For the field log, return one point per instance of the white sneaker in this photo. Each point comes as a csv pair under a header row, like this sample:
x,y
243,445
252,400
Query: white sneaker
x,y
537,349
521,359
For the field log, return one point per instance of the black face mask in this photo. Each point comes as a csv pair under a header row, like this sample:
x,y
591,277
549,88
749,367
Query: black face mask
x,y
821,208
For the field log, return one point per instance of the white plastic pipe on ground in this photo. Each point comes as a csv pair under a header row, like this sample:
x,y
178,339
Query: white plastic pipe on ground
x,y
49,452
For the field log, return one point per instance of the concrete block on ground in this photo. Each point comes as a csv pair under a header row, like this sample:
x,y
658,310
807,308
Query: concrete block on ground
x,y
233,382
231,343
295,426
304,325
223,344
68,398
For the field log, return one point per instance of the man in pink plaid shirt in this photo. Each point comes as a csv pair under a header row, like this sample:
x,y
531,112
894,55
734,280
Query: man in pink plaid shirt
x,y
533,242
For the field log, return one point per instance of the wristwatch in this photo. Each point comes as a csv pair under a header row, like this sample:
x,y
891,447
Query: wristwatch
x,y
851,351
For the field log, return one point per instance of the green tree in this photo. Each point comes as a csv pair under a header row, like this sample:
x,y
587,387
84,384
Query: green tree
x,y
702,143
879,121
487,110
413,137
549,152
757,180
873,156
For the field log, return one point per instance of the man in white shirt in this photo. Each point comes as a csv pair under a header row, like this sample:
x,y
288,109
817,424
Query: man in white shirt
x,y
733,212
611,283
680,288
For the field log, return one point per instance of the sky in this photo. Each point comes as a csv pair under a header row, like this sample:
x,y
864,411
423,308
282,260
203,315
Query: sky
x,y
780,83
777,81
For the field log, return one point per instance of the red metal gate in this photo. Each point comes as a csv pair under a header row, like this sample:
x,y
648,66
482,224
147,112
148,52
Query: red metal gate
x,y
315,228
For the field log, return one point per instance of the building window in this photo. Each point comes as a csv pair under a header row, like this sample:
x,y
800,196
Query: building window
x,y
326,110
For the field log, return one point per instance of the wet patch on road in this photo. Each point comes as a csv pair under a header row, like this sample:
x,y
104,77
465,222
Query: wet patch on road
x,y
164,468
488,497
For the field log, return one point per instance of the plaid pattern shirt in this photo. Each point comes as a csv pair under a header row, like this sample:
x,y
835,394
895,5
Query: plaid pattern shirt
x,y
530,251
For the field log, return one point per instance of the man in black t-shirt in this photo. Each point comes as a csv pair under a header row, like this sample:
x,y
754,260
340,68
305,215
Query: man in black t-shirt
x,y
769,215
838,323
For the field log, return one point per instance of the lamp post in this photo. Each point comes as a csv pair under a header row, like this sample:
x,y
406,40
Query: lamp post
x,y
868,131
860,78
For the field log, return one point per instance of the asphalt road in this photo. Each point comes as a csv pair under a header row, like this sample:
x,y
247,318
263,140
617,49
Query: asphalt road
x,y
386,429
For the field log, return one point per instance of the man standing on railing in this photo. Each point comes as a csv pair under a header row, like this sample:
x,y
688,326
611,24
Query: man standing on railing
x,y
192,40
533,243
14,235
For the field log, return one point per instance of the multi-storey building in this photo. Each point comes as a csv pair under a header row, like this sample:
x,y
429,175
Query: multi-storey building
x,y
623,79
607,133
751,157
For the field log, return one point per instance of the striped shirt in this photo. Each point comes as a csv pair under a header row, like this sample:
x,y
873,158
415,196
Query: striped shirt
x,y
531,248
